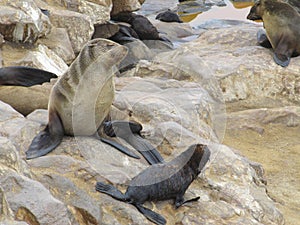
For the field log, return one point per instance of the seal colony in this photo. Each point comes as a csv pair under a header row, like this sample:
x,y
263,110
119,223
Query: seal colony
x,y
282,24
162,182
81,99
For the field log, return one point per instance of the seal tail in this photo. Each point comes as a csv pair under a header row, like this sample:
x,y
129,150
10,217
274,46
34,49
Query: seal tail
x,y
111,191
152,216
24,76
48,139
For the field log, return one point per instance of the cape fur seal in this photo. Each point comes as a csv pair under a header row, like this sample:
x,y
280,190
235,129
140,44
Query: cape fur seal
x,y
162,181
24,76
282,24
81,98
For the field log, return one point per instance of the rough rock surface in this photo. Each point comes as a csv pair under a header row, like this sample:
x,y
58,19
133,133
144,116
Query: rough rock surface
x,y
22,21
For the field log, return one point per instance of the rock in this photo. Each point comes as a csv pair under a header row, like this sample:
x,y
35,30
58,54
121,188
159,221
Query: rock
x,y
23,21
58,41
79,27
125,6
137,51
43,58
35,97
98,11
251,73
30,201
255,119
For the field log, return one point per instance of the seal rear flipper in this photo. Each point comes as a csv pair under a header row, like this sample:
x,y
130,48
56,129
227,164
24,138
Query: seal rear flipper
x,y
111,191
148,151
48,139
150,215
119,147
24,76
281,60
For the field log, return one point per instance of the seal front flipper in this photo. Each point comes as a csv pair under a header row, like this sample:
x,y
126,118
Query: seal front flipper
x,y
262,39
180,201
24,76
150,215
110,190
48,139
121,148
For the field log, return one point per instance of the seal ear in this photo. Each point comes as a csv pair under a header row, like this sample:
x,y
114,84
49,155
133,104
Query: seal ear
x,y
48,139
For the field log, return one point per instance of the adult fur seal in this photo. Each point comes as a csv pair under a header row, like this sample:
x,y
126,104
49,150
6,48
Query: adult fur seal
x,y
282,24
162,181
80,101
81,98
24,76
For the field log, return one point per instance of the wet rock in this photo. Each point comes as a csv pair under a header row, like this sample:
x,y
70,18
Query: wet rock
x,y
79,27
23,21
59,42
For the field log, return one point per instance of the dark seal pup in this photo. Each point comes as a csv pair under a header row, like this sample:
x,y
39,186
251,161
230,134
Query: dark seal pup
x,y
162,181
282,24
24,76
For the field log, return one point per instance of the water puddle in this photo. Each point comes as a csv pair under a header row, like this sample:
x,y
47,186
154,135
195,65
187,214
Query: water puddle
x,y
232,11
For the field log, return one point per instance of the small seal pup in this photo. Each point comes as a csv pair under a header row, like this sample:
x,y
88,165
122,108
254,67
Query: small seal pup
x,y
81,99
282,24
162,182
24,76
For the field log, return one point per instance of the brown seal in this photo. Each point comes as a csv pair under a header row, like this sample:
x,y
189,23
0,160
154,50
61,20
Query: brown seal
x,y
282,24
82,97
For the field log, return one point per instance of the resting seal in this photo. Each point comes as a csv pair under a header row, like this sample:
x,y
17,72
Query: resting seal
x,y
81,99
282,24
162,181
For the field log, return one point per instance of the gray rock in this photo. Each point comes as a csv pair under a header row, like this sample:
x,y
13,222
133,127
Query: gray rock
x,y
125,6
30,201
58,41
79,27
22,21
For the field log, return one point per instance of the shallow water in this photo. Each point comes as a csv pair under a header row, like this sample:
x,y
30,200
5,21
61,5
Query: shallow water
x,y
233,11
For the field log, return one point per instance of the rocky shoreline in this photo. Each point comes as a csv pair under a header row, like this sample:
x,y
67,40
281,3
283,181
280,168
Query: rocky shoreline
x,y
220,80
